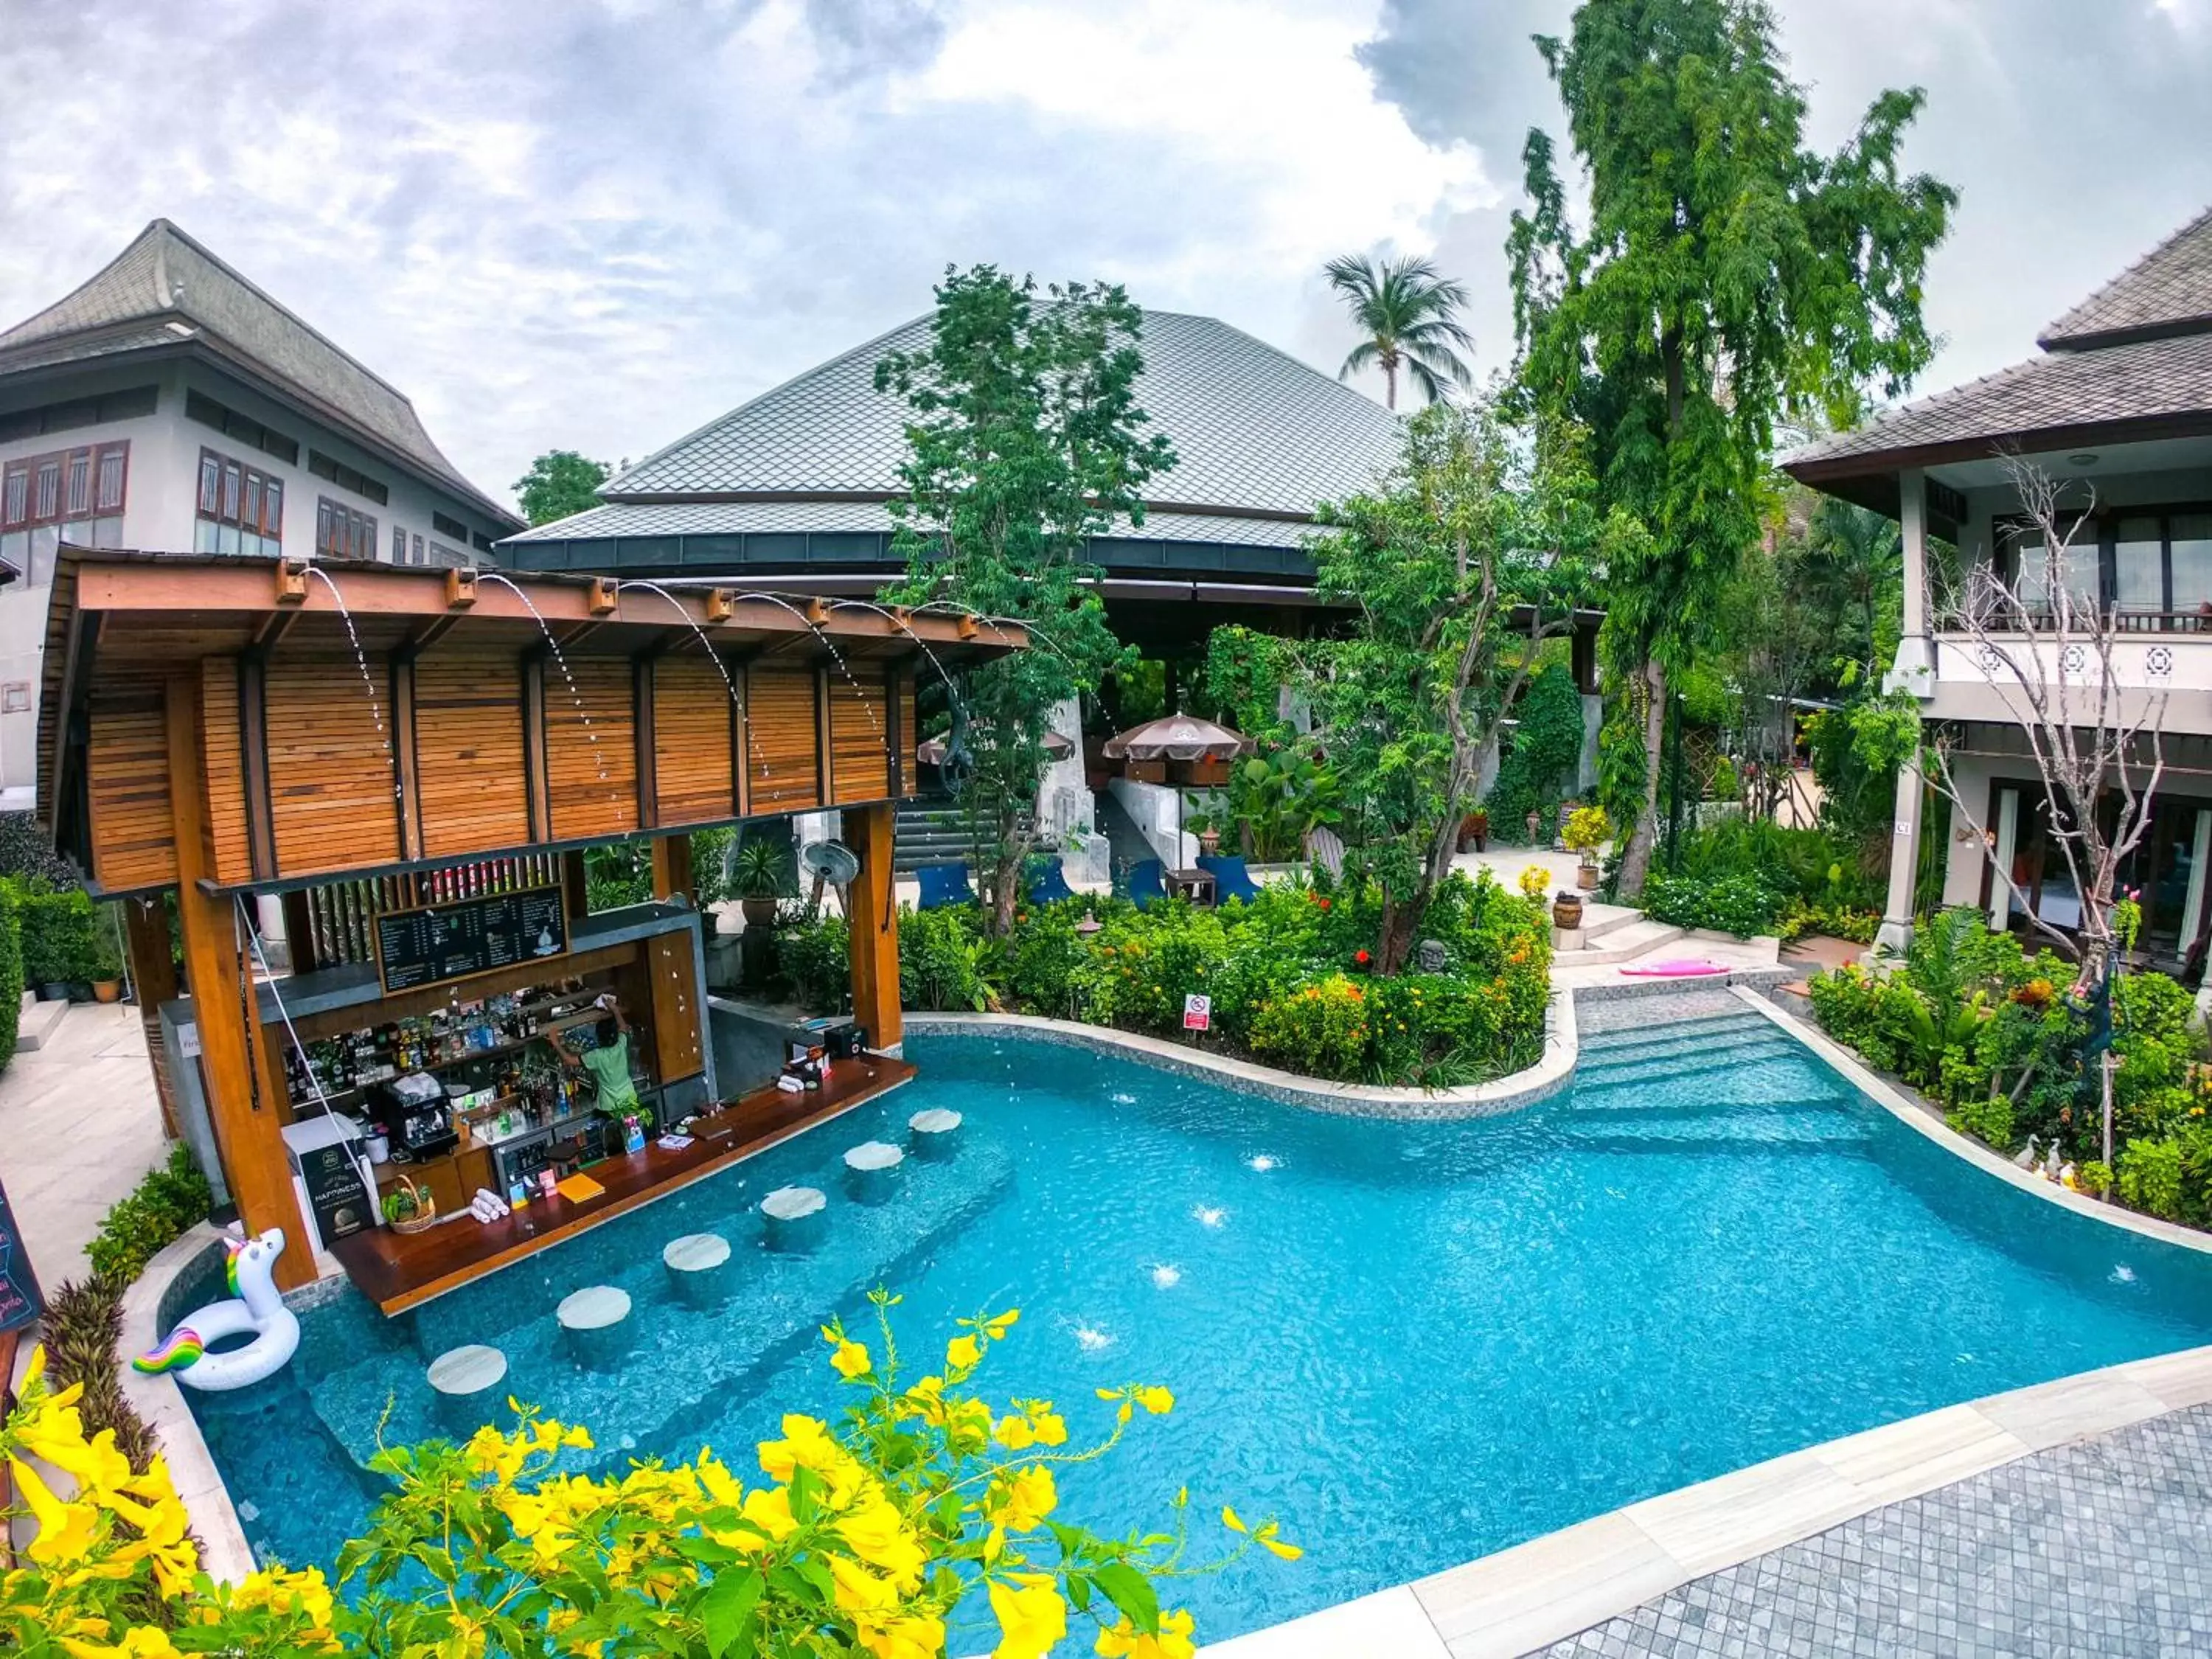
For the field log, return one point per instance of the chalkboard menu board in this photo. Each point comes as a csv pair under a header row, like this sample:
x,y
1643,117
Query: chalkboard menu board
x,y
440,942
20,1302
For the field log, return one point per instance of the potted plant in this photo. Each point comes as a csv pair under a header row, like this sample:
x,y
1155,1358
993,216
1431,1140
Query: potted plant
x,y
1567,911
1475,831
761,874
1586,830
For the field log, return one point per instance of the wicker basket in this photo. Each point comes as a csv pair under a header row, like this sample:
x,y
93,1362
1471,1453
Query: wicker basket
x,y
426,1209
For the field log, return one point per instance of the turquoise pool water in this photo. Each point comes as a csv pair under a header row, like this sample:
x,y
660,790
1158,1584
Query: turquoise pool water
x,y
1416,1344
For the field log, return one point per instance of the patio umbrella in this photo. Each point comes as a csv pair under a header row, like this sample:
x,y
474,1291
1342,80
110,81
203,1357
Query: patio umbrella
x,y
931,753
1180,738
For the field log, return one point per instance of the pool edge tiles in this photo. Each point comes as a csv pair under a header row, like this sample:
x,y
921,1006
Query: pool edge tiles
x,y
689,1360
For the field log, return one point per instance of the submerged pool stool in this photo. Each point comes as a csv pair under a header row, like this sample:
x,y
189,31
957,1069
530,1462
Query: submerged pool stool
x,y
468,1387
698,1267
936,1132
795,1216
595,1321
871,1170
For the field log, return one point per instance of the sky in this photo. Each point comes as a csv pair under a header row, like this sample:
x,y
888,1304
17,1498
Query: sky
x,y
597,224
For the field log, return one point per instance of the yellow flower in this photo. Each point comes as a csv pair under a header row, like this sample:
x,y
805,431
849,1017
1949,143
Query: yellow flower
x,y
1231,1520
66,1531
306,1593
489,1452
878,1534
998,1325
139,1642
769,1509
963,1353
1035,1425
807,1444
909,1636
1158,1401
1021,1499
1030,1614
851,1360
1125,1641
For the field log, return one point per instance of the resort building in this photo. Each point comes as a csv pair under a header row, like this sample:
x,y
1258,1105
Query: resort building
x,y
790,488
169,402
2117,410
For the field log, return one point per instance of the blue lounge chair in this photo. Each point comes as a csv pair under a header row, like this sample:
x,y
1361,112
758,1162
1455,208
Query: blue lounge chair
x,y
1231,880
1146,887
1048,882
944,885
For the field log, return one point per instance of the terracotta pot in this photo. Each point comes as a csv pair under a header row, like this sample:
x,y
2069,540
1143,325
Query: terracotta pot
x,y
107,990
1210,843
758,912
1567,912
1586,876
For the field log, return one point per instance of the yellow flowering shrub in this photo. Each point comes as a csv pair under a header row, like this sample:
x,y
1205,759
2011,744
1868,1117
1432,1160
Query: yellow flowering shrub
x,y
1320,1028
863,1537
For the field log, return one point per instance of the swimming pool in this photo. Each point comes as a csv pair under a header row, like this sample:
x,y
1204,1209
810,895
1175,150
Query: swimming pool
x,y
1415,1343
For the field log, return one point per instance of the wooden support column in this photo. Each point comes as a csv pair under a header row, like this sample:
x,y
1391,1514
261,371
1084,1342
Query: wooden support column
x,y
247,1124
299,931
871,916
671,868
576,888
153,981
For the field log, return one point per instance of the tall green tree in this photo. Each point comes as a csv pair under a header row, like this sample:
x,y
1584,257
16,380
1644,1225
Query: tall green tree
x,y
1726,274
1025,440
560,482
1472,553
1407,316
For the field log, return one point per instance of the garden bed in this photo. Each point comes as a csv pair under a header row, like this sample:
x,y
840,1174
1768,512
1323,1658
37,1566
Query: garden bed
x,y
1286,978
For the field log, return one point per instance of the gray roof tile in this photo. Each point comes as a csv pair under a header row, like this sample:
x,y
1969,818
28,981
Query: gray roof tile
x,y
2059,391
1252,428
165,276
2169,289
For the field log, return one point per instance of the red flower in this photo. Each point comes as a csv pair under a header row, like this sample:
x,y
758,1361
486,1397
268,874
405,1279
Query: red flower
x,y
1323,901
1361,958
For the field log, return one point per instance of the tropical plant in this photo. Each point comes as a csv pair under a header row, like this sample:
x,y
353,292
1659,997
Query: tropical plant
x,y
1407,316
763,868
1545,745
560,482
1469,529
869,1536
165,1205
1726,274
1024,440
1273,803
1587,829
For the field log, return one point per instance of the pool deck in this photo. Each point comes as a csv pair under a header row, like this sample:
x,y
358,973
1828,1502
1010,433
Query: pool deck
x,y
399,1271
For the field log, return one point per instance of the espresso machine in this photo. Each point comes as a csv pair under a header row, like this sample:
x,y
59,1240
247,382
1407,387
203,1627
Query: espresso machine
x,y
414,1109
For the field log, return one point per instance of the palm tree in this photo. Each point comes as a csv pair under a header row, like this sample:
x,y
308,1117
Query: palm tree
x,y
1407,313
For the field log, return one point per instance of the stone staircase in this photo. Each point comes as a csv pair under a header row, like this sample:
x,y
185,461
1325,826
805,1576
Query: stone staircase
x,y
929,829
36,1025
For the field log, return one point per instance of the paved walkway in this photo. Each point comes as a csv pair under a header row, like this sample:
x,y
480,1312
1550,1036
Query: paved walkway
x,y
2101,1548
80,1125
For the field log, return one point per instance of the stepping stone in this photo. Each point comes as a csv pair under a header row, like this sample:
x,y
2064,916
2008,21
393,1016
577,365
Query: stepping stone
x,y
871,1170
596,1323
468,1386
698,1267
936,1132
795,1216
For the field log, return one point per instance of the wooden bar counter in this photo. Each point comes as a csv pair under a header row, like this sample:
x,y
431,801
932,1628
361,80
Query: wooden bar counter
x,y
399,1271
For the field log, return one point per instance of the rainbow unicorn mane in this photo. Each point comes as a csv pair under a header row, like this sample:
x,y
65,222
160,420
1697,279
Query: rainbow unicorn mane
x,y
233,1249
183,1348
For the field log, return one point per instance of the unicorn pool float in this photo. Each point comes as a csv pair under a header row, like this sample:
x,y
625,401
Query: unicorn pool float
x,y
254,1309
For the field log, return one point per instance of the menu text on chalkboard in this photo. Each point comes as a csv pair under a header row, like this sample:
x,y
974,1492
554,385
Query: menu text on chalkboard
x,y
20,1302
440,942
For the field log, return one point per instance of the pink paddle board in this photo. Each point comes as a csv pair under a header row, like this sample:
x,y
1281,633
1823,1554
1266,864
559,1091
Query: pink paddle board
x,y
1676,967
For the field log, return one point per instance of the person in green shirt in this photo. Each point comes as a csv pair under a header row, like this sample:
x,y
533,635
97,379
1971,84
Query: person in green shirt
x,y
607,1065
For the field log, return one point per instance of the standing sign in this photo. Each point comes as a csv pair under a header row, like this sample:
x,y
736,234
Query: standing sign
x,y
20,1301
440,942
1197,1013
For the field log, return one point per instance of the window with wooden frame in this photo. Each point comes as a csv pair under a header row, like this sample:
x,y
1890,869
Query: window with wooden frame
x,y
343,533
346,478
239,508
73,495
2151,567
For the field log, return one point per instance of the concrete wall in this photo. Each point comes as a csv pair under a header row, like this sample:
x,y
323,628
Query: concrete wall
x,y
1153,807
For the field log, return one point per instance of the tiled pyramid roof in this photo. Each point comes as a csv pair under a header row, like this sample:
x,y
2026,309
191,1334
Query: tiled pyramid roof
x,y
165,287
1257,433
2168,290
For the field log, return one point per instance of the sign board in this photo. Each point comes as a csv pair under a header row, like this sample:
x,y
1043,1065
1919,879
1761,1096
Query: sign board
x,y
188,1039
1197,1013
442,942
20,1301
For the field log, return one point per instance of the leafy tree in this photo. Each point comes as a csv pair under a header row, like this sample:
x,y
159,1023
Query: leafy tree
x,y
1727,275
1407,316
1023,440
560,482
1467,527
1547,742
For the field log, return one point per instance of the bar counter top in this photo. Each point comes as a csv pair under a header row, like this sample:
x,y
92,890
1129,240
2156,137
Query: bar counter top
x,y
399,1271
